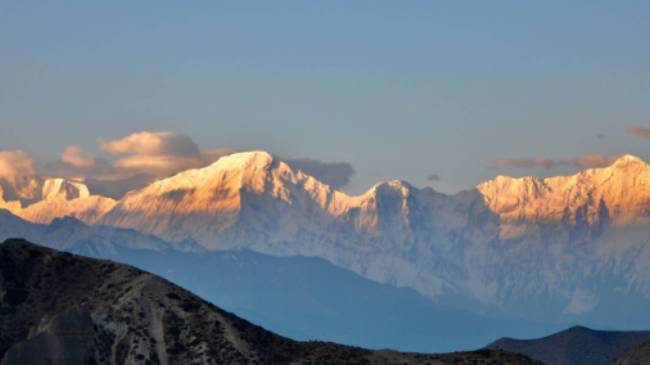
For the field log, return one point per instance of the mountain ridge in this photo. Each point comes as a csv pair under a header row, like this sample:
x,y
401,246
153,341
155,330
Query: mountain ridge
x,y
577,345
74,310
520,253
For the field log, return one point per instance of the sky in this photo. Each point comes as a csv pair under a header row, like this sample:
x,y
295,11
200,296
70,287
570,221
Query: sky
x,y
439,93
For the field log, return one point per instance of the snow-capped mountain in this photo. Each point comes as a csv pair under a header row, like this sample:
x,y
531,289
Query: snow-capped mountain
x,y
245,197
253,198
44,199
71,234
558,247
562,243
619,194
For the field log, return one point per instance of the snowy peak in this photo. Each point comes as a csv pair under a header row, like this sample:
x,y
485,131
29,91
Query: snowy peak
x,y
399,186
243,194
57,188
256,160
628,160
230,174
56,198
216,188
255,191
619,192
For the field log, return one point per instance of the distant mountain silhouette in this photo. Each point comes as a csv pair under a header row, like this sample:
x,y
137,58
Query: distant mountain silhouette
x,y
575,346
59,308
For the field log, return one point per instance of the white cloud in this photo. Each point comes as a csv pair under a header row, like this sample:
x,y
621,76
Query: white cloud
x,y
582,161
581,301
153,144
639,131
143,157
74,156
155,153
17,175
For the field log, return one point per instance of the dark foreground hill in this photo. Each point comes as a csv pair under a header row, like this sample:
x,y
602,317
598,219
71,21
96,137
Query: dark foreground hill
x,y
59,308
577,346
637,355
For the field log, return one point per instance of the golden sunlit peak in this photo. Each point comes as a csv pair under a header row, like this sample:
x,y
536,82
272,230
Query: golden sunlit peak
x,y
627,158
243,159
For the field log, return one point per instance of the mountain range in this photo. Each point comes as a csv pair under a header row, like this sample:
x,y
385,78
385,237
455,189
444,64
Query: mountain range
x,y
559,250
59,308
303,298
579,346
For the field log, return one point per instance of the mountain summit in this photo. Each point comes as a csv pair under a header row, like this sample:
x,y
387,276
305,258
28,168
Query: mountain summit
x,y
43,200
256,193
619,193
576,346
249,196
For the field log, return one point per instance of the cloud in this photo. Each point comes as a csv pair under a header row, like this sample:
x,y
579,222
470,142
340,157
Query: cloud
x,y
526,163
157,154
211,155
74,156
601,136
17,175
581,301
638,131
335,174
582,161
143,157
433,178
77,163
152,144
158,166
592,160
117,186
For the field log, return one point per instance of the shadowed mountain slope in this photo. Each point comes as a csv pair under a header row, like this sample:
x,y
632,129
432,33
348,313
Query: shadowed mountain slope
x,y
305,298
637,355
60,308
575,346
309,298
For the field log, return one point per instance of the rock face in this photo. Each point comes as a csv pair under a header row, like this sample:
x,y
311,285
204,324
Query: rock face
x,y
57,308
578,346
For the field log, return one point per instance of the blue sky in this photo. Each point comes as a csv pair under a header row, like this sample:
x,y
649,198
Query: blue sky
x,y
397,89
